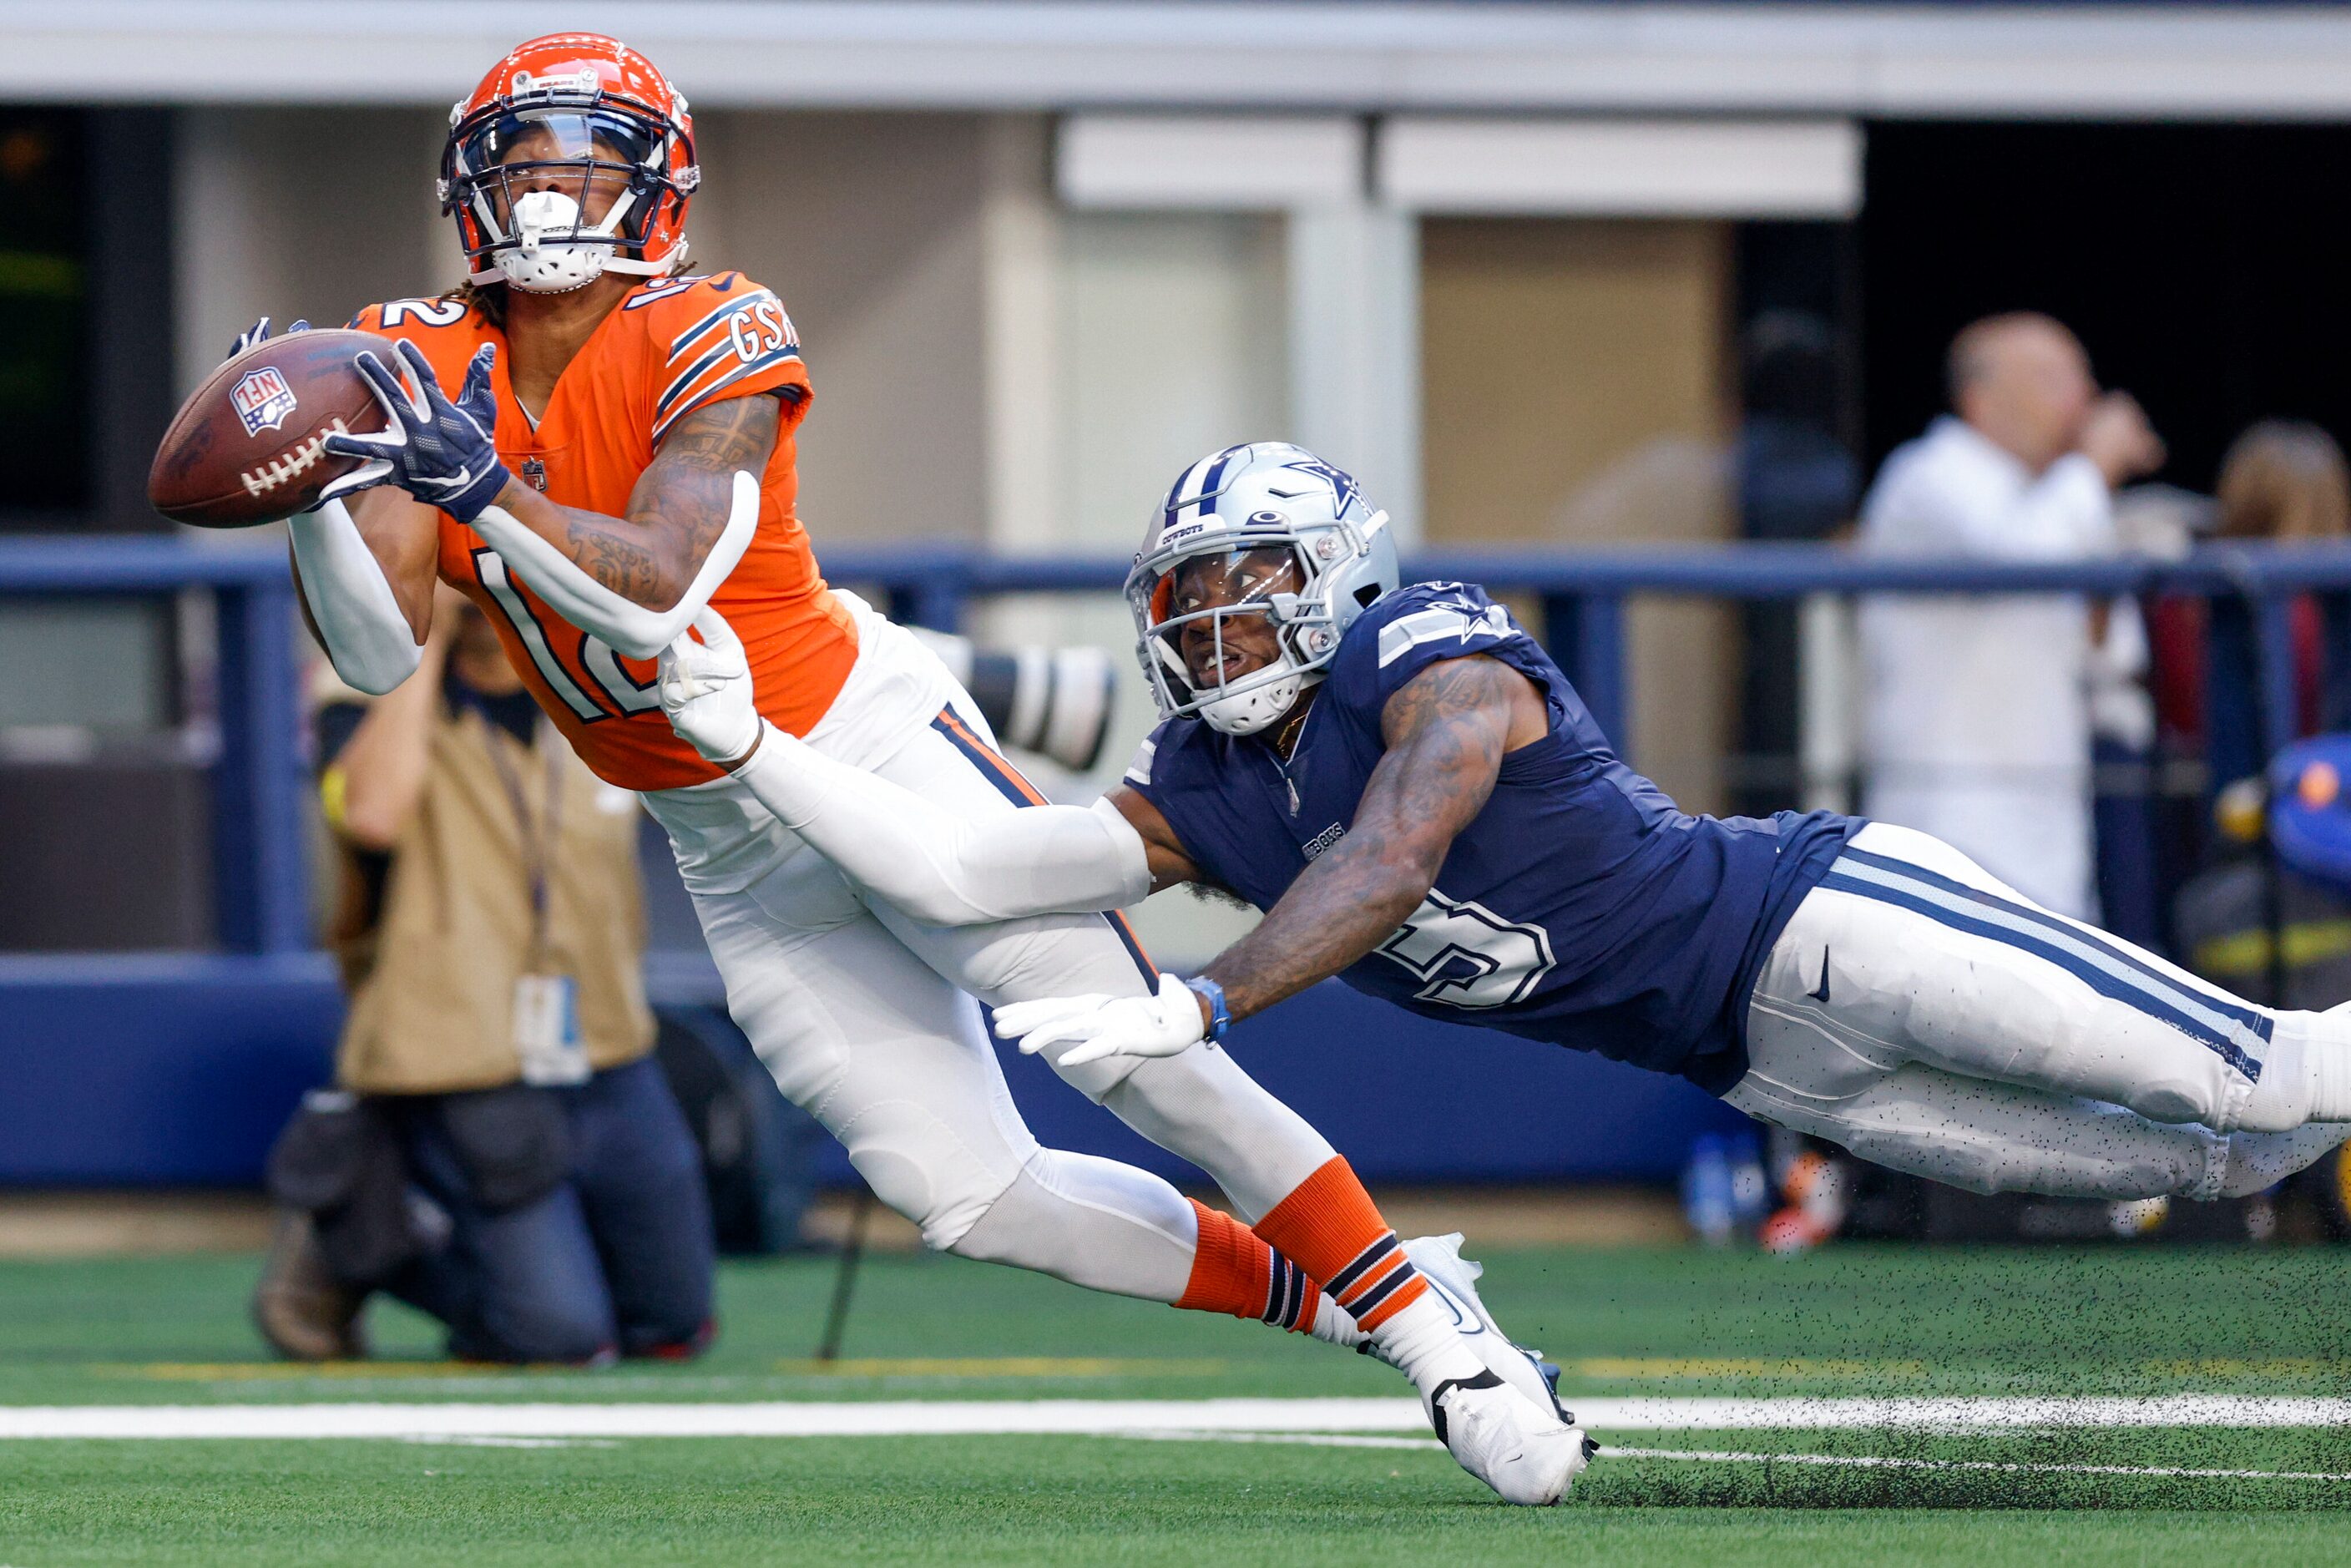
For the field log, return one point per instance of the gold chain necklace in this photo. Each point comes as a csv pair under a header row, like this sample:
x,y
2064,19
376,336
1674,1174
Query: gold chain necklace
x,y
1287,738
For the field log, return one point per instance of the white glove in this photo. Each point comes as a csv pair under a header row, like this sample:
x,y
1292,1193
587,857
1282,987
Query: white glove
x,y
1106,1025
705,690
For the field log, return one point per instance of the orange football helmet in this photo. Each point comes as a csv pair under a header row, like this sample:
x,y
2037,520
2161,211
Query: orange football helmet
x,y
573,157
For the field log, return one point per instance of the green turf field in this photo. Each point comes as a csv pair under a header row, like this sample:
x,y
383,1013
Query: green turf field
x,y
2039,1327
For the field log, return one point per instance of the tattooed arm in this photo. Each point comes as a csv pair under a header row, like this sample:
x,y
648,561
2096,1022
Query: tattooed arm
x,y
680,504
1446,730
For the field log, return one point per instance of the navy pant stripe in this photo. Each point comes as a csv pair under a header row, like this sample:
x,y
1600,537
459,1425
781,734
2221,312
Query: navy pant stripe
x,y
1017,790
2250,1017
992,767
2128,988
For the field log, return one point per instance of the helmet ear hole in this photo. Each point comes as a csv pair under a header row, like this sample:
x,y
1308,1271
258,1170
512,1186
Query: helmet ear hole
x,y
1366,594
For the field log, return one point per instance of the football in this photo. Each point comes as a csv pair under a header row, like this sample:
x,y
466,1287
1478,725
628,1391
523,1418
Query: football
x,y
247,446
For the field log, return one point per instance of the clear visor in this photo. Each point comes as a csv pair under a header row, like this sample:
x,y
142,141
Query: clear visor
x,y
1211,615
562,135
591,158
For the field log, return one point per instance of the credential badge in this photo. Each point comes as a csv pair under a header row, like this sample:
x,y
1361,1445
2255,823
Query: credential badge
x,y
262,399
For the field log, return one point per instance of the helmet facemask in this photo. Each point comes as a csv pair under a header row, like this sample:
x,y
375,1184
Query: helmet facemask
x,y
1263,536
1216,605
522,180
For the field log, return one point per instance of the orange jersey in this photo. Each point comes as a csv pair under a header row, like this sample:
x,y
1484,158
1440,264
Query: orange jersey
x,y
669,348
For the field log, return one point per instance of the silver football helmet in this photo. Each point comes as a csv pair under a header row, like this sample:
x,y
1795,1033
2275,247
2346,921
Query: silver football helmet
x,y
1285,536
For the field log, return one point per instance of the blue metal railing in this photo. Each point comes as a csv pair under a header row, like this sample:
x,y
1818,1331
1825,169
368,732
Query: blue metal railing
x,y
258,820
260,891
1584,593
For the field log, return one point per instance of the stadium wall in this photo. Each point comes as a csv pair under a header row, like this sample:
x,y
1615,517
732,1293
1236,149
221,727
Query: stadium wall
x,y
178,1070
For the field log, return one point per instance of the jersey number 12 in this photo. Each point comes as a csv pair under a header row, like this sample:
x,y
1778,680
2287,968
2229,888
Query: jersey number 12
x,y
602,666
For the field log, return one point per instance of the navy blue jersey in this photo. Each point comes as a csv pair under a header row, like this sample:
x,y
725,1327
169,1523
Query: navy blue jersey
x,y
1580,906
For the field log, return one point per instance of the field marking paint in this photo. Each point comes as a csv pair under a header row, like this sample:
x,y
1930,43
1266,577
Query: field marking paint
x,y
1963,1412
813,1418
985,1367
1725,1457
1301,1440
467,1373
2003,1467
765,1419
448,1442
1624,1367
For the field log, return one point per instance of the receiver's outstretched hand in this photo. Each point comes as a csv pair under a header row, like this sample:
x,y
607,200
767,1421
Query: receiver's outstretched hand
x,y
705,690
1102,1025
444,454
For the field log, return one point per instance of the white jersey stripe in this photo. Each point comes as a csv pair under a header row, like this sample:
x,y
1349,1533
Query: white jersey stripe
x,y
679,344
686,378
1400,637
764,361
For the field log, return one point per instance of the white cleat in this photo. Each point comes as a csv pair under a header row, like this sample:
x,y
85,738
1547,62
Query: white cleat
x,y
1455,1279
1526,1454
1507,1428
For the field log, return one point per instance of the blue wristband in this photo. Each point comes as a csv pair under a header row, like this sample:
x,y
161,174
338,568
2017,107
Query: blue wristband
x,y
1220,1016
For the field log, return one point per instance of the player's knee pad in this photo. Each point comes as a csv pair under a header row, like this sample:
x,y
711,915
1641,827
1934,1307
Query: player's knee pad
x,y
2257,1160
925,1170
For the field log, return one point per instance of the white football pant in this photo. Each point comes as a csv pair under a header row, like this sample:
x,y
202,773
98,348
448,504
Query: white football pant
x,y
1925,1017
866,1016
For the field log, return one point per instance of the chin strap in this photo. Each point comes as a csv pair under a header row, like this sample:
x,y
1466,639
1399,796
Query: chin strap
x,y
358,615
628,628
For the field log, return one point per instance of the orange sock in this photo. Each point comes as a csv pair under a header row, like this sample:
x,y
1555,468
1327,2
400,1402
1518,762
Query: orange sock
x,y
1331,1225
1234,1271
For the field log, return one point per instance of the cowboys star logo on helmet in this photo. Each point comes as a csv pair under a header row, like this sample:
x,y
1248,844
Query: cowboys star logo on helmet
x,y
1342,483
1288,521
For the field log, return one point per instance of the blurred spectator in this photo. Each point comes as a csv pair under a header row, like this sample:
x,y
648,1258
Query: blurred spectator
x,y
2281,480
1797,480
501,1152
2284,479
1977,724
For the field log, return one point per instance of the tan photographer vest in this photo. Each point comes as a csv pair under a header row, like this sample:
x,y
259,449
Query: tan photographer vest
x,y
432,984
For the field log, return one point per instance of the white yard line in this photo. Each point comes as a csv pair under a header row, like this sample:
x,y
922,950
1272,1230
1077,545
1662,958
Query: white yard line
x,y
1875,1463
1104,1417
773,1419
446,1442
1725,1457
1963,1412
1303,1439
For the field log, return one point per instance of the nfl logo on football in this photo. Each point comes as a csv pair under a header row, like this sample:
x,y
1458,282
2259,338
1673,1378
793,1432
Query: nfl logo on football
x,y
262,400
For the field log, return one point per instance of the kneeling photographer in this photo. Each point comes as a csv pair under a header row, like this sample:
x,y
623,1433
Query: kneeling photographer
x,y
501,1150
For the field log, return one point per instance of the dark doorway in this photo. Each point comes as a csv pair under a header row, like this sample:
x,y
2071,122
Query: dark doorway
x,y
2203,266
